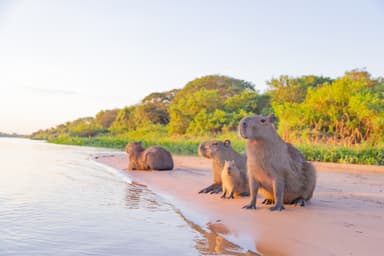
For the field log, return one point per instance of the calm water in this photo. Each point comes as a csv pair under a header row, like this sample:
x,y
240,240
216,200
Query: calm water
x,y
54,200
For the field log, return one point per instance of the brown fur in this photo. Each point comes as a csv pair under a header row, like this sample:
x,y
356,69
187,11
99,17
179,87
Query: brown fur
x,y
219,151
152,158
275,166
231,179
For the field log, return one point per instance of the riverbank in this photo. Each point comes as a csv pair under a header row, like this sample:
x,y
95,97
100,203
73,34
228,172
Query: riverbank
x,y
345,217
187,145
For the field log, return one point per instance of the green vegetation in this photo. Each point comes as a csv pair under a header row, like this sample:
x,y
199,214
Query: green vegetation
x,y
334,120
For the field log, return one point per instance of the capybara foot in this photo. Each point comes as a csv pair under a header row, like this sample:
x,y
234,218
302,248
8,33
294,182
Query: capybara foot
x,y
278,207
250,206
268,201
215,188
223,196
231,196
299,201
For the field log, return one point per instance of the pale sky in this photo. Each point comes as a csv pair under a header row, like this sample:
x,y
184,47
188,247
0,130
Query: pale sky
x,y
61,60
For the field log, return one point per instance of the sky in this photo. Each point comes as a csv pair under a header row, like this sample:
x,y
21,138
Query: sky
x,y
61,60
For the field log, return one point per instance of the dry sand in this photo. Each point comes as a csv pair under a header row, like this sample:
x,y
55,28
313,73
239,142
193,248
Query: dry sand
x,y
345,216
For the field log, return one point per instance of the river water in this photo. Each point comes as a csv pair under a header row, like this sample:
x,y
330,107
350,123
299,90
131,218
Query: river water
x,y
55,200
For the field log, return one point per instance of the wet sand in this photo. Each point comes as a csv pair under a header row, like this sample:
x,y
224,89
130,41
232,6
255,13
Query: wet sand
x,y
345,216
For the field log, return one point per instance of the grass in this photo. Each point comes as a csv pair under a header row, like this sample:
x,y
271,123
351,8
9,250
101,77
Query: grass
x,y
342,154
181,146
187,145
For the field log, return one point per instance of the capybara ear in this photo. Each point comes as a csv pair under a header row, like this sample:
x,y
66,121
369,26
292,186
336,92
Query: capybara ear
x,y
227,143
272,118
138,142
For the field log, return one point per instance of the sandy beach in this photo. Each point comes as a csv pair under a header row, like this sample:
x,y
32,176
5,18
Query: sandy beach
x,y
345,216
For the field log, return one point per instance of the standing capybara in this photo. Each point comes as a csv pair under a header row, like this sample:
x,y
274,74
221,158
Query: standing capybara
x,y
231,179
152,158
274,165
219,151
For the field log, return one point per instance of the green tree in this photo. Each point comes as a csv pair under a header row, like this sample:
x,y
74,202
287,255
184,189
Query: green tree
x,y
105,118
84,127
293,89
199,100
348,110
122,122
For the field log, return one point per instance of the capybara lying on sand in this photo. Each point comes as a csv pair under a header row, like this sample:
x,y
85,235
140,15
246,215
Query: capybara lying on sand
x,y
152,158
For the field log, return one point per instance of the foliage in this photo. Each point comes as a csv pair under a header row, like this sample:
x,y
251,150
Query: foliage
x,y
338,120
105,118
212,104
290,89
349,110
122,122
188,145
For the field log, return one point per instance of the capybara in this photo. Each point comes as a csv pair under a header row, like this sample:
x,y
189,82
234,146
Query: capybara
x,y
219,151
151,158
231,179
274,165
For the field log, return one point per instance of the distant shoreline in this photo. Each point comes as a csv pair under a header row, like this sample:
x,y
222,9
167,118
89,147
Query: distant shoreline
x,y
12,135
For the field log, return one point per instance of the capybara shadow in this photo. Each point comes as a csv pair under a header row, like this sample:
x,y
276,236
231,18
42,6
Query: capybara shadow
x,y
151,158
274,166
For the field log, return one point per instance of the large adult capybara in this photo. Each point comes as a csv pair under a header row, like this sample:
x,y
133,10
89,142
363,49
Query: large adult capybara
x,y
275,166
151,158
219,151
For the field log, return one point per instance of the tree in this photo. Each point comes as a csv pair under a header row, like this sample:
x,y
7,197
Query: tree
x,y
290,89
84,127
199,100
122,122
348,110
105,118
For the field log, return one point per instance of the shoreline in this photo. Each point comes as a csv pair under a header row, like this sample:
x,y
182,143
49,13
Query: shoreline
x,y
345,216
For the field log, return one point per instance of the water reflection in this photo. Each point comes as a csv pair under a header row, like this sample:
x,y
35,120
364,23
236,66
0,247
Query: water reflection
x,y
207,241
138,197
132,197
211,242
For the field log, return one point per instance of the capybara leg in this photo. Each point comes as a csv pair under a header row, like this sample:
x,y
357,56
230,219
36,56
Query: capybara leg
x,y
253,187
131,166
244,194
299,201
231,195
278,190
268,201
215,188
223,195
